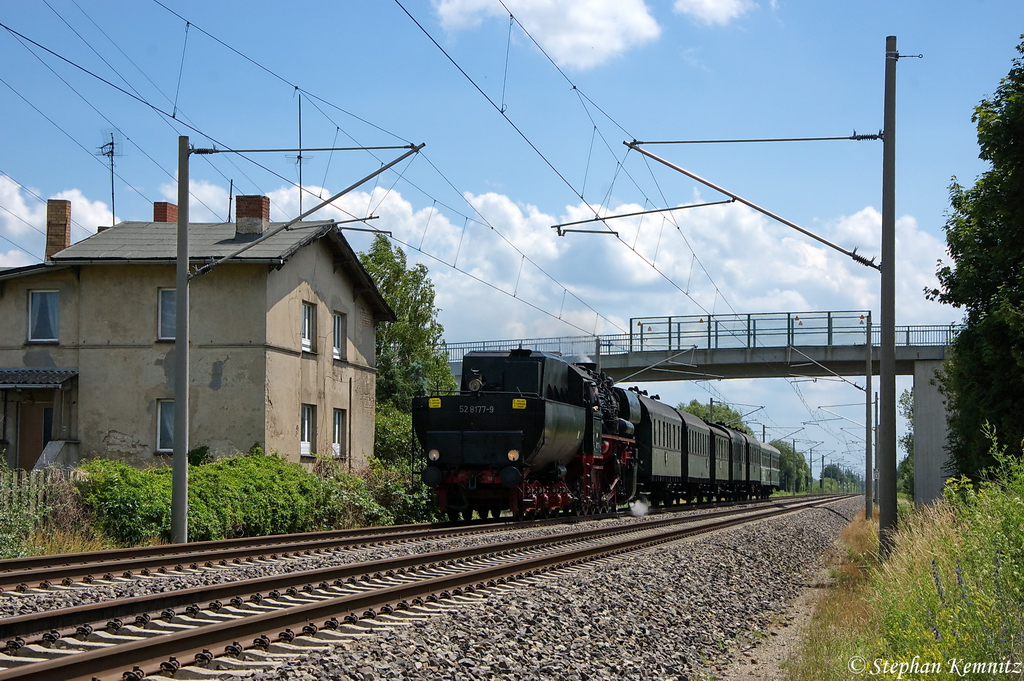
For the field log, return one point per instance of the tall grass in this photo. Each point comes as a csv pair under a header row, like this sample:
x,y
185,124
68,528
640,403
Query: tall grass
x,y
954,588
949,596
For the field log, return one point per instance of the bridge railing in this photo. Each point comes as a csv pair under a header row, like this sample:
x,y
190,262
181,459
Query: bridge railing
x,y
765,330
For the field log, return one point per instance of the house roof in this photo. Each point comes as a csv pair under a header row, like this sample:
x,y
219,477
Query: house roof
x,y
35,378
157,242
139,241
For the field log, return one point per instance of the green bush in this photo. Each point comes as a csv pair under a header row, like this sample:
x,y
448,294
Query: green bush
x,y
397,487
953,587
392,436
250,495
16,525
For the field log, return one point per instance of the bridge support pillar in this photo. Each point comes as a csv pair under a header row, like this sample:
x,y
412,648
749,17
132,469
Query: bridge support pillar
x,y
930,455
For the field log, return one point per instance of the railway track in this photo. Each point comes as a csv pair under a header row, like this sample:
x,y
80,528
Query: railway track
x,y
85,569
300,611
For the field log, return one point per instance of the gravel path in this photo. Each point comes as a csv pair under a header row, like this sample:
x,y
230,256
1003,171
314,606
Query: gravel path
x,y
683,611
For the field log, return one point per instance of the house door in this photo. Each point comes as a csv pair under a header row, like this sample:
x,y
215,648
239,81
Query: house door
x,y
35,424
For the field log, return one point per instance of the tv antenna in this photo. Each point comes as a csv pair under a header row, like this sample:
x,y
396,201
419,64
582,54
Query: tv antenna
x,y
111,147
299,158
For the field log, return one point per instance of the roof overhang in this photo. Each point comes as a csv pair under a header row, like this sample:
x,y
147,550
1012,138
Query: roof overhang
x,y
35,378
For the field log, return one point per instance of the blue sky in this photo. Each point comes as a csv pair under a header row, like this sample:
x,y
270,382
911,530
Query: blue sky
x,y
488,186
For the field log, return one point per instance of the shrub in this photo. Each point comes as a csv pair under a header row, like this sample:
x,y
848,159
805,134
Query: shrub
x,y
249,495
953,587
396,487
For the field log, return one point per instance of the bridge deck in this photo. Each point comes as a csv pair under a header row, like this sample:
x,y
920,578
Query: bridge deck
x,y
735,346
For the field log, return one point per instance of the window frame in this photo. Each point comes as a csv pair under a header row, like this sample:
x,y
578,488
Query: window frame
x,y
160,332
339,340
338,434
307,430
307,332
31,316
161,405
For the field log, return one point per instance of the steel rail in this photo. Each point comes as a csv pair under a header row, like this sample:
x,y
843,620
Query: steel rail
x,y
66,620
147,655
20,573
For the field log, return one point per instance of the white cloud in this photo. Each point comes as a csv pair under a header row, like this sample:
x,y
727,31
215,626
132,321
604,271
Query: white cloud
x,y
16,258
585,283
85,214
576,33
714,11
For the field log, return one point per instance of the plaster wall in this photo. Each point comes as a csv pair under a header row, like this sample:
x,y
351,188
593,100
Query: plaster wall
x,y
125,368
17,352
295,377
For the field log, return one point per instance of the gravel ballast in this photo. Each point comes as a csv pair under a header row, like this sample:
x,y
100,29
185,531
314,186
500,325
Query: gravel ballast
x,y
680,611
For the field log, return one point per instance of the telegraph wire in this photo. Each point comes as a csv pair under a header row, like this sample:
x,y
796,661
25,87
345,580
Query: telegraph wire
x,y
274,74
174,102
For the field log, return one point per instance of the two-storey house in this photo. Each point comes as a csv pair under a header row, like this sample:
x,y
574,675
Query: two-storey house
x,y
281,349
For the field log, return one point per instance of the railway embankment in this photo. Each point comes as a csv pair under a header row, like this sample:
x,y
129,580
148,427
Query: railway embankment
x,y
680,611
945,604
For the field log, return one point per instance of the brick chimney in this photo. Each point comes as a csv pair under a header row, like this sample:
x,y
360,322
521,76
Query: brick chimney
x,y
165,212
252,214
58,226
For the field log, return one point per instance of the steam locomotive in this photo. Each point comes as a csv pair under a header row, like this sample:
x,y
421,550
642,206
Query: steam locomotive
x,y
537,434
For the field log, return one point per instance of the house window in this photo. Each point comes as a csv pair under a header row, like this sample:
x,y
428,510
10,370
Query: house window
x,y
167,314
164,425
42,316
338,439
339,335
308,326
307,430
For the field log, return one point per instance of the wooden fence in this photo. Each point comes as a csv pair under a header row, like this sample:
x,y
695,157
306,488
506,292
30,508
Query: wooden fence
x,y
33,491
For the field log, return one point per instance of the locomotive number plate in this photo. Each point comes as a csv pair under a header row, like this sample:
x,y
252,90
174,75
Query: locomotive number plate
x,y
476,409
519,403
434,403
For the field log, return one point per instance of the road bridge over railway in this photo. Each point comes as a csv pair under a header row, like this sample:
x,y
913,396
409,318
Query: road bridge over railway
x,y
766,345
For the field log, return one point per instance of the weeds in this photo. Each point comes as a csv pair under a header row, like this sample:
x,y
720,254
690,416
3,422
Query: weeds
x,y
949,596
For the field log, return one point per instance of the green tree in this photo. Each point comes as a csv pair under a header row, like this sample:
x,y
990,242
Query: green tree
x,y
410,353
905,469
723,414
794,474
983,376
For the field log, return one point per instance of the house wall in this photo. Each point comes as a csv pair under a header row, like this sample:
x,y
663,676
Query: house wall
x,y
17,352
248,374
125,368
323,381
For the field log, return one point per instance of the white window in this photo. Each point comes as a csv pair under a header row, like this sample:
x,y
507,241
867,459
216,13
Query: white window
x,y
338,439
167,314
42,316
308,326
164,425
307,430
339,335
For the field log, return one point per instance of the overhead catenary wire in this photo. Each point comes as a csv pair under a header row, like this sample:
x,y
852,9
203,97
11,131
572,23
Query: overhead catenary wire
x,y
650,263
564,290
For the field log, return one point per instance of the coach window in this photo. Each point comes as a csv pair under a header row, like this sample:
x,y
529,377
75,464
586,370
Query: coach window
x,y
42,316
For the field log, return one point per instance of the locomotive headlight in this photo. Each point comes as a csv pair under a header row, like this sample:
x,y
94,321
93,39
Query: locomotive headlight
x,y
513,455
476,384
433,455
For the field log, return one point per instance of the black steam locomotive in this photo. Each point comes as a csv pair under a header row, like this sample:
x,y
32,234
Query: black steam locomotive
x,y
538,435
